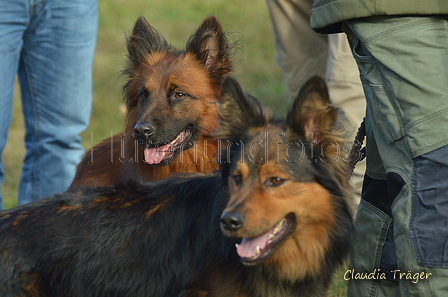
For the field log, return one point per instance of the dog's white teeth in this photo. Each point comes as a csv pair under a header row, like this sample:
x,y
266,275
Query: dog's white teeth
x,y
276,229
257,251
175,140
236,245
280,224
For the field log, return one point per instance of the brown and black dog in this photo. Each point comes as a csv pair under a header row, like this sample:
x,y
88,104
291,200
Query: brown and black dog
x,y
281,197
171,100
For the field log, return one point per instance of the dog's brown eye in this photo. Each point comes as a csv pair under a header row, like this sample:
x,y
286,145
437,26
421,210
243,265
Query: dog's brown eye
x,y
143,95
238,179
275,181
180,95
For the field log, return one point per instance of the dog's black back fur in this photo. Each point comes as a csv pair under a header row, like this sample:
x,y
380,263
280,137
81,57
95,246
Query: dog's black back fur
x,y
61,249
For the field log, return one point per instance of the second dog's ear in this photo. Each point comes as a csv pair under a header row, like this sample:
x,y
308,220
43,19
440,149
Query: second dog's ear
x,y
312,113
144,40
210,46
238,111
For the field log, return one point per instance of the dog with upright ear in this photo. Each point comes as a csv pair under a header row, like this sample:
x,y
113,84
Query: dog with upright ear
x,y
171,115
288,187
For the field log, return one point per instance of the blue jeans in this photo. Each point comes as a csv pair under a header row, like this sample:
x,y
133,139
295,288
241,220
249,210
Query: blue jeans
x,y
50,45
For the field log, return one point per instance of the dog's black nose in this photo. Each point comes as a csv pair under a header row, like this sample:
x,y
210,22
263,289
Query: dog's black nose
x,y
143,130
232,221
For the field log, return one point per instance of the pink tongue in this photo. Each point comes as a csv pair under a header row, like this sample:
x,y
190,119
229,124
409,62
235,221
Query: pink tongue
x,y
155,155
247,248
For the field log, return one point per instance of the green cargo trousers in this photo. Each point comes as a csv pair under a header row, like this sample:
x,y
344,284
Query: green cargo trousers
x,y
401,245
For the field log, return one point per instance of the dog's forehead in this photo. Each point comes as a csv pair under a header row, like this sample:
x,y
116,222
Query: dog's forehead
x,y
270,133
175,69
272,150
268,141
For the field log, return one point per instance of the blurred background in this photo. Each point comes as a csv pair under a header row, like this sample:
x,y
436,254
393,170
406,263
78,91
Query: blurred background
x,y
255,66
247,21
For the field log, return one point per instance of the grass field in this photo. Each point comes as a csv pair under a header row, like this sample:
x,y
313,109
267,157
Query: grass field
x,y
247,21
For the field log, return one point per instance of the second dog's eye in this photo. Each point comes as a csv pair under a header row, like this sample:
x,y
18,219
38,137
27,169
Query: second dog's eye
x,y
143,94
180,95
275,181
238,179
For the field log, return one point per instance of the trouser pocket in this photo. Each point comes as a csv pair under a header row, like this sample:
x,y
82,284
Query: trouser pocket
x,y
374,249
429,219
373,255
380,100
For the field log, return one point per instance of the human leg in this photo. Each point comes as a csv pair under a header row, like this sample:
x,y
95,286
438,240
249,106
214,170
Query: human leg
x,y
407,109
55,78
301,52
346,92
13,20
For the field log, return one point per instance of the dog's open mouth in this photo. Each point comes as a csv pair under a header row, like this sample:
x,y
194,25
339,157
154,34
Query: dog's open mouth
x,y
254,250
156,154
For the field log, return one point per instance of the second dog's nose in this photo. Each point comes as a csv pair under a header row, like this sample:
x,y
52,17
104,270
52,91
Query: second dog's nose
x,y
143,130
232,221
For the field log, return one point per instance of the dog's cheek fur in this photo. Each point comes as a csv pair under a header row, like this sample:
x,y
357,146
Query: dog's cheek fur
x,y
315,219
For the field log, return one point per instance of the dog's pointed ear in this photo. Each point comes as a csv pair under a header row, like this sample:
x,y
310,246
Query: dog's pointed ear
x,y
210,46
238,111
312,113
144,40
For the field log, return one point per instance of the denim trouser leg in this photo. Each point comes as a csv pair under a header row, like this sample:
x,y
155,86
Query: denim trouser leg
x,y
13,21
55,72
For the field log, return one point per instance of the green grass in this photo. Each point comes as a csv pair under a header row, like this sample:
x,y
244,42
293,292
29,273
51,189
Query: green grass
x,y
247,21
339,285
